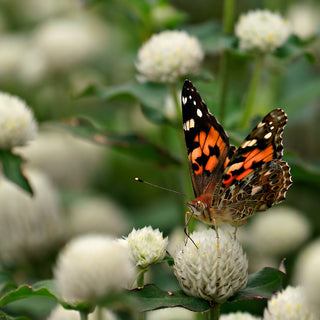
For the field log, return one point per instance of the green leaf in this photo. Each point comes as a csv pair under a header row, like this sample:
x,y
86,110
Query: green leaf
x,y
12,168
6,282
135,145
211,37
151,297
150,95
4,316
261,285
40,289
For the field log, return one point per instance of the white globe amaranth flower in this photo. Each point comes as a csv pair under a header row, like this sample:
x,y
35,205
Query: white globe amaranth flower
x,y
90,267
306,273
66,42
238,316
55,151
289,304
201,273
60,313
146,246
169,55
262,30
96,215
170,314
280,231
30,226
304,20
17,123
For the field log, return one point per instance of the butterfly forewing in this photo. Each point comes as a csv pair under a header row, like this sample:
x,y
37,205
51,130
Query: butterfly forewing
x,y
207,143
233,183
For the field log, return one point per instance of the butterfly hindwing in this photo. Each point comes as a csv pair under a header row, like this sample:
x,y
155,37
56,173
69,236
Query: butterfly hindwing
x,y
207,143
230,183
262,145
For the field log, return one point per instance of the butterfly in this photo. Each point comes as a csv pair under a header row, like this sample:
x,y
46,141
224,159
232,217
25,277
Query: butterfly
x,y
231,184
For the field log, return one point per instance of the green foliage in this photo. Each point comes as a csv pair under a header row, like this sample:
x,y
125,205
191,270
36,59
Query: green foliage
x,y
12,169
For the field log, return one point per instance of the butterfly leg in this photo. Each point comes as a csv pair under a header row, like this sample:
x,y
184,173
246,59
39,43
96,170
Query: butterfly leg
x,y
188,217
235,231
218,238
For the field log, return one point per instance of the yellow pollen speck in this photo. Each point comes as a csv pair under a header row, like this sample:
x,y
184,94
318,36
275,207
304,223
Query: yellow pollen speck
x,y
270,36
288,308
215,245
197,244
298,306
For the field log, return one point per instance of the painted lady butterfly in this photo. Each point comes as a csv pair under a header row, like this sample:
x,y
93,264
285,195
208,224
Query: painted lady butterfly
x,y
231,184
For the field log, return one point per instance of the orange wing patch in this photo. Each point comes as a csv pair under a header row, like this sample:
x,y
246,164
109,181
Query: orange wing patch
x,y
206,155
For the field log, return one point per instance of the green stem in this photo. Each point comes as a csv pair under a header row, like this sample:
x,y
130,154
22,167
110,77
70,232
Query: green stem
x,y
224,84
140,278
99,313
83,315
213,313
228,14
251,95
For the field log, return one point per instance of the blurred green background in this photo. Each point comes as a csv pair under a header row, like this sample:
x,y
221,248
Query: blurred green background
x,y
73,62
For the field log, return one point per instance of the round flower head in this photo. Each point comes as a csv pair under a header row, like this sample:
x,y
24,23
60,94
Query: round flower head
x,y
169,55
146,246
307,273
262,30
96,215
290,304
279,232
30,226
170,314
55,151
90,267
238,316
17,123
59,313
201,273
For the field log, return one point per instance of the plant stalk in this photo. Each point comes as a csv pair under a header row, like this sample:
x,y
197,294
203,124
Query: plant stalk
x,y
83,315
213,313
228,14
251,95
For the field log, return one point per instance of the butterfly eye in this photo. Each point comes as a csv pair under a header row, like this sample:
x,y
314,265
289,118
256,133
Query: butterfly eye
x,y
200,206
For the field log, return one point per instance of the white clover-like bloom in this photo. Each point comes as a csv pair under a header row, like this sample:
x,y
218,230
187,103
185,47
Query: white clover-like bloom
x,y
146,246
45,9
238,316
306,273
69,161
169,55
96,215
12,51
17,123
262,30
59,313
304,20
91,266
170,314
66,42
280,231
289,304
201,273
30,226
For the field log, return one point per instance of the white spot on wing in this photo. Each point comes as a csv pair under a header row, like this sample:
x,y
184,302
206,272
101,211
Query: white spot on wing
x,y
194,102
184,100
260,124
268,135
199,113
188,125
249,143
272,127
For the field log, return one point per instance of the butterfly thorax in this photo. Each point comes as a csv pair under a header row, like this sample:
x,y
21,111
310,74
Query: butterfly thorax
x,y
202,210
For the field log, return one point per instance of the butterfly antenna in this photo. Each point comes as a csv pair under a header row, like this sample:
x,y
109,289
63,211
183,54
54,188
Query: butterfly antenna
x,y
156,186
186,231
